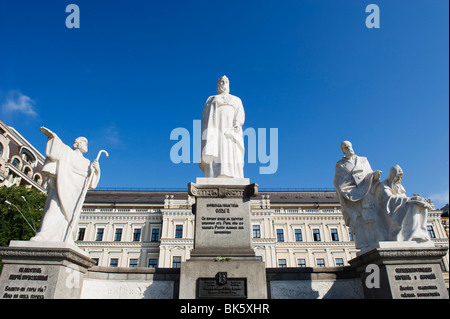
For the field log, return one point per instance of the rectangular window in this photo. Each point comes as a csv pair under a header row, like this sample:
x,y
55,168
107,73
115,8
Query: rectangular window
x,y
114,262
137,234
133,263
350,235
259,258
118,235
96,261
320,262
99,234
176,262
152,263
282,263
334,234
155,235
256,231
316,234
298,235
301,263
339,262
280,235
179,231
81,233
431,233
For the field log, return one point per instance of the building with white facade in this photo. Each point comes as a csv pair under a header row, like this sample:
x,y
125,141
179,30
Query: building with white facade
x,y
20,162
156,229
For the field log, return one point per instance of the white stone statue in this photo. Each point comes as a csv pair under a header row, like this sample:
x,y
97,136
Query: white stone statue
x,y
355,183
408,215
378,212
222,148
68,173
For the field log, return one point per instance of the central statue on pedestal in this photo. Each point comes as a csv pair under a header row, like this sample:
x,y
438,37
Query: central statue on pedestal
x,y
222,148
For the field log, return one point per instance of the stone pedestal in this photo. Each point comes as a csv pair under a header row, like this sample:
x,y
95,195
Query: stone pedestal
x,y
222,263
36,270
389,272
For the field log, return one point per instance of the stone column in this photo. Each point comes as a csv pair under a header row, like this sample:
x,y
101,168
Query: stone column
x,y
222,263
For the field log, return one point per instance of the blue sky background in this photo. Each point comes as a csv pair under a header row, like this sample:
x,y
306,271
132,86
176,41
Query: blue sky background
x,y
136,70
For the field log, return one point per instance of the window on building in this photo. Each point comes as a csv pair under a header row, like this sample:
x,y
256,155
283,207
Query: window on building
x,y
350,235
431,233
1,149
137,234
99,234
298,235
316,234
81,233
256,231
133,262
259,258
153,263
15,163
118,235
155,235
114,262
301,263
176,262
282,263
96,261
334,234
28,156
320,262
339,262
179,231
280,235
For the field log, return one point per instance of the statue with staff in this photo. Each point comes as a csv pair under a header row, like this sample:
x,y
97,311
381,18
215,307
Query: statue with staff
x,y
70,175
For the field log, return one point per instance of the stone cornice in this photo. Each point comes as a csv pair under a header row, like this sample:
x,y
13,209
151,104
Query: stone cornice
x,y
223,191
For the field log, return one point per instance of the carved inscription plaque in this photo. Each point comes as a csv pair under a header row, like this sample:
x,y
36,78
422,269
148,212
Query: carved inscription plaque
x,y
26,283
222,287
416,282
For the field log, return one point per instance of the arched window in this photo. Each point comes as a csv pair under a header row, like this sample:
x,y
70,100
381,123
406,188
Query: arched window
x,y
37,179
15,162
28,171
28,156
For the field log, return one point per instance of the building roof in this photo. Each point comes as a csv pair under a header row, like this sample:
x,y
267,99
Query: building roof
x,y
158,197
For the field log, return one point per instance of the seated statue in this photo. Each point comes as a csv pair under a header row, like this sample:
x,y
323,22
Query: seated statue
x,y
407,215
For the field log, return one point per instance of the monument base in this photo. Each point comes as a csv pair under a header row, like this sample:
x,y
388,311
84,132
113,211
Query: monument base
x,y
202,278
222,263
402,272
33,270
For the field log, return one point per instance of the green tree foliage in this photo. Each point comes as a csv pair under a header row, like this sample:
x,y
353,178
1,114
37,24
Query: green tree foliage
x,y
12,225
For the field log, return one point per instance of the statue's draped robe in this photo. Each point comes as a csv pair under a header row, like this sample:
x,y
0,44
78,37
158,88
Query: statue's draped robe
x,y
408,219
353,183
67,173
222,148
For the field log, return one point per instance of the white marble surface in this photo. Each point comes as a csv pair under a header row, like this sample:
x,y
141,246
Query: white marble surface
x,y
126,289
47,244
222,181
397,244
222,145
316,289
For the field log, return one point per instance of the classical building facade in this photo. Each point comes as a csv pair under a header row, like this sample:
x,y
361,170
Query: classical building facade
x,y
20,162
156,229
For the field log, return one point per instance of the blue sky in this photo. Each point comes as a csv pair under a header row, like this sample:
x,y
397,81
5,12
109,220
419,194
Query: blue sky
x,y
135,70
